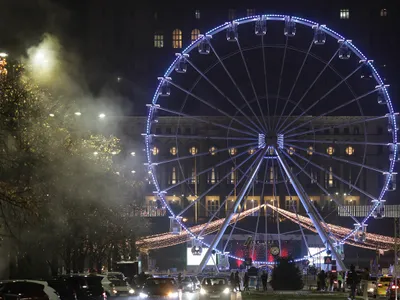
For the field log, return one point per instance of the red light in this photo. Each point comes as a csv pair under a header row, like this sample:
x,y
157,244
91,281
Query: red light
x,y
394,287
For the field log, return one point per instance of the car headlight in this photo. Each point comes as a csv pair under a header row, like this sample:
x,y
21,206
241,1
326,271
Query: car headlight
x,y
143,295
370,289
226,291
115,291
131,291
172,294
189,285
203,291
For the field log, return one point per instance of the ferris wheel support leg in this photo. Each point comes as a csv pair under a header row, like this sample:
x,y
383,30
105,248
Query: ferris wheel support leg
x,y
225,224
310,212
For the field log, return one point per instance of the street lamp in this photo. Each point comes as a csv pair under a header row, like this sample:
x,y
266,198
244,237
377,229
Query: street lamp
x,y
114,152
102,116
133,153
51,115
78,113
3,54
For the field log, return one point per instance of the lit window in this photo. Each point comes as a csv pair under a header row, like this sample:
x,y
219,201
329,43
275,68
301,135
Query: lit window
x,y
212,176
158,40
330,150
193,150
271,151
384,12
155,150
213,150
232,151
314,176
271,175
251,151
232,177
193,176
173,150
173,177
345,13
231,14
195,34
251,12
330,178
177,39
212,206
197,14
291,204
310,150
291,151
349,150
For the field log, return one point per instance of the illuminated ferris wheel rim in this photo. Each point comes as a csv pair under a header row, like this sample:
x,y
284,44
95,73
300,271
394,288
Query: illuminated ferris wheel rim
x,y
274,17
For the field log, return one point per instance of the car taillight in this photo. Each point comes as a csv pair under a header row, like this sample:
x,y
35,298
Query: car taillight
x,y
104,295
379,284
394,287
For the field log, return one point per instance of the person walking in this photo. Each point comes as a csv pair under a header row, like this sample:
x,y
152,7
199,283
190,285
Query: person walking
x,y
339,280
331,281
352,281
246,282
264,280
322,280
237,281
232,281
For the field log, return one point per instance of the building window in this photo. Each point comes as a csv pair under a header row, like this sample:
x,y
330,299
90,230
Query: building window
x,y
271,175
212,207
195,34
330,178
212,176
177,39
188,131
330,150
155,15
193,150
173,150
345,13
291,204
291,151
193,176
231,14
251,12
232,151
232,176
346,130
349,150
158,40
310,150
197,14
173,176
314,176
356,130
384,12
336,131
155,150
213,150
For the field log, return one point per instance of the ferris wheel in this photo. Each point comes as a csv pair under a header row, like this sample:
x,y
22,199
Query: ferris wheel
x,y
281,105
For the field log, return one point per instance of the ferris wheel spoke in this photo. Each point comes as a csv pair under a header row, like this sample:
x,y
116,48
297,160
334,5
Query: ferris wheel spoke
x,y
214,107
220,91
259,212
338,142
321,187
265,81
265,127
309,88
199,119
339,159
187,179
294,209
189,156
294,84
274,197
226,199
333,175
325,95
216,184
332,110
280,79
363,120
238,89
201,137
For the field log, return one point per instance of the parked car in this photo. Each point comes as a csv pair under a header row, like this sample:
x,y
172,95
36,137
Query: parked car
x,y
383,285
27,289
85,287
63,288
391,291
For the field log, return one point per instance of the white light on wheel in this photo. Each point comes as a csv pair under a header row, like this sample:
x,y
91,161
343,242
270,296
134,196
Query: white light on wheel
x,y
226,291
143,295
203,291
